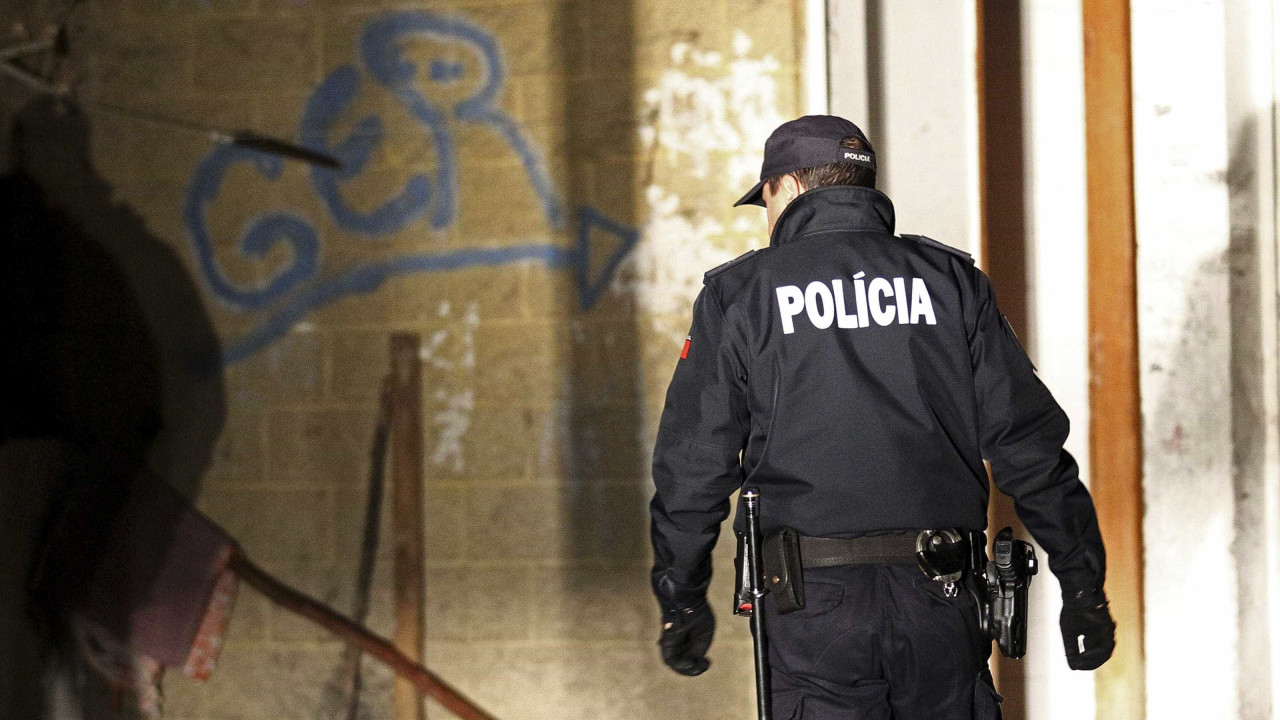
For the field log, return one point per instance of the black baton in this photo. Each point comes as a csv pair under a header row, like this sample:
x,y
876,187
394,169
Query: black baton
x,y
751,497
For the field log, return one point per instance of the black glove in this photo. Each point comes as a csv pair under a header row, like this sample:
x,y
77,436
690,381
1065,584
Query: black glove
x,y
1088,632
686,637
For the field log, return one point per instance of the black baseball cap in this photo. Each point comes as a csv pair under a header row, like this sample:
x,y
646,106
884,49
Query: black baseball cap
x,y
807,142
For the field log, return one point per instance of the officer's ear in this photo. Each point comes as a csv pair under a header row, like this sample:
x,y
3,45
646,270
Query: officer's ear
x,y
790,188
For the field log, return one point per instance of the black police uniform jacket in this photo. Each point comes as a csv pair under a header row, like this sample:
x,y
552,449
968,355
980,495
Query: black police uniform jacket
x,y
858,379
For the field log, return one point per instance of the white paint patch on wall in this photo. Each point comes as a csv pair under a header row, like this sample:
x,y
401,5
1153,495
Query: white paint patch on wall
x,y
453,418
1180,156
678,248
453,421
704,109
707,117
1053,78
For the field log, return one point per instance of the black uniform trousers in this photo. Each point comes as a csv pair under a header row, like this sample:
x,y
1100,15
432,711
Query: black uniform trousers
x,y
879,643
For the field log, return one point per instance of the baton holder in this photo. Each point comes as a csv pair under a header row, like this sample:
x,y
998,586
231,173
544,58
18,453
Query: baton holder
x,y
754,541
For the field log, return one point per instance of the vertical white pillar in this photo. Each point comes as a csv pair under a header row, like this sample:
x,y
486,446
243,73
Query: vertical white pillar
x,y
1053,109
1183,232
816,94
1251,34
917,65
930,118
1269,307
847,74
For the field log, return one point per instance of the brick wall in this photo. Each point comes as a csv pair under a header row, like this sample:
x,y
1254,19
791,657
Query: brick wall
x,y
605,140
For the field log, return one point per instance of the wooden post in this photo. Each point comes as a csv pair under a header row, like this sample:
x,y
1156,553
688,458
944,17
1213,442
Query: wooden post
x,y
1115,431
406,477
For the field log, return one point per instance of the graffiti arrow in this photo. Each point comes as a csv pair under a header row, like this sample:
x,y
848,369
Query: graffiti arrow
x,y
593,265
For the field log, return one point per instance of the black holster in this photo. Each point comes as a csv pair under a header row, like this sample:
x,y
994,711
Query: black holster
x,y
1008,580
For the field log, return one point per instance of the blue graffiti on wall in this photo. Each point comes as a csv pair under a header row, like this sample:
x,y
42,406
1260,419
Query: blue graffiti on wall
x,y
295,291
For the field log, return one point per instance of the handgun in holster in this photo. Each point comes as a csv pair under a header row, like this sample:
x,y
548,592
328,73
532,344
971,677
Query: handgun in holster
x,y
1008,581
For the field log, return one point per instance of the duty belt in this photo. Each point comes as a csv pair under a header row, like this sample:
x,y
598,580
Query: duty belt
x,y
942,555
895,549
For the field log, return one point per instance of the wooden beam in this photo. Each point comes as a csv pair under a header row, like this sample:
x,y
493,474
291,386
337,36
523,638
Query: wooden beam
x,y
1115,431
407,531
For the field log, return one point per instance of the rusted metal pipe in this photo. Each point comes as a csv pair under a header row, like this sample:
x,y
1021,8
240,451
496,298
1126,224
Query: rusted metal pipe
x,y
426,682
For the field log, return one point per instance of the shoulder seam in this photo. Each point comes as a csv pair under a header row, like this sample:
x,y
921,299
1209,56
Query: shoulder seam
x,y
723,267
717,301
930,242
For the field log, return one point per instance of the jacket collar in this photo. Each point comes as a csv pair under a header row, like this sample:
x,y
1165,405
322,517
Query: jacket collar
x,y
834,207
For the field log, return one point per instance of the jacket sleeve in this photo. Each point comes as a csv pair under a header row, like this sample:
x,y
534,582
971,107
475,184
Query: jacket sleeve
x,y
1022,431
696,461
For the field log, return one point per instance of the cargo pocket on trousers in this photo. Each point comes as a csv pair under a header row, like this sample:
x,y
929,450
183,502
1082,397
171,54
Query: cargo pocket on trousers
x,y
986,701
798,639
820,598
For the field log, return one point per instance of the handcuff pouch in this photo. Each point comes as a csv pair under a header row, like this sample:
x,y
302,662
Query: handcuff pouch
x,y
783,572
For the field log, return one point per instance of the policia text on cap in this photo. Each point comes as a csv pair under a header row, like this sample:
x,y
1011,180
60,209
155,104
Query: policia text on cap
x,y
859,379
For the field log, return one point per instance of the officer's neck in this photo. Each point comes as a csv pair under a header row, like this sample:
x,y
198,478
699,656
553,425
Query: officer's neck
x,y
835,207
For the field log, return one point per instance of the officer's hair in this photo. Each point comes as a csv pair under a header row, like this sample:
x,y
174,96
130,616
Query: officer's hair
x,y
837,173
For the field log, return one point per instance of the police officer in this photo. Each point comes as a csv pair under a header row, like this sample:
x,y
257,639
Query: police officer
x,y
859,379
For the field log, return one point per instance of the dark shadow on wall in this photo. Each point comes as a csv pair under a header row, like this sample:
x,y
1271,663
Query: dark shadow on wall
x,y
108,364
51,146
606,476
1005,244
1249,415
877,123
